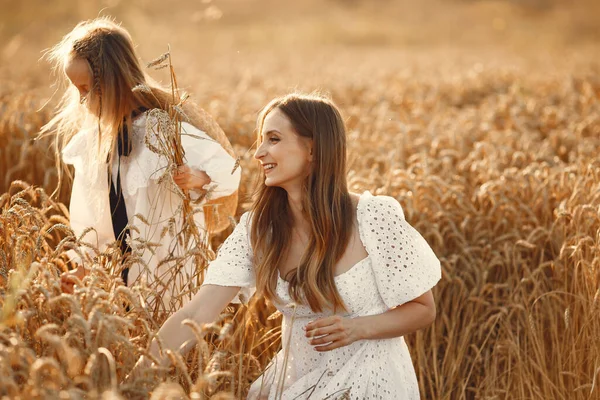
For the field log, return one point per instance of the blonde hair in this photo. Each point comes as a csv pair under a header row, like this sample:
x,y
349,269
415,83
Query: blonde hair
x,y
326,202
109,51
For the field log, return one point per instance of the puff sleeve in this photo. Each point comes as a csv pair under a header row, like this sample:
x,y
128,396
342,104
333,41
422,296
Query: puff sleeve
x,y
205,154
201,153
404,265
233,265
73,152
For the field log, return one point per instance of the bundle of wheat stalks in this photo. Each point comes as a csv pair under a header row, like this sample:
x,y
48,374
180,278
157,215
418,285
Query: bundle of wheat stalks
x,y
498,170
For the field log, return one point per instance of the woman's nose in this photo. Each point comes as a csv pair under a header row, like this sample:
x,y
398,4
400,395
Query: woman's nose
x,y
260,152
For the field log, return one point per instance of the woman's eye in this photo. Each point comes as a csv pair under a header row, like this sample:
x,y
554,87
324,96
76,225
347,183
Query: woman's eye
x,y
273,140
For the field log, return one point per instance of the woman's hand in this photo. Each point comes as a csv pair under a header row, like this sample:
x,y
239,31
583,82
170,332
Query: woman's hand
x,y
69,279
332,332
187,178
142,365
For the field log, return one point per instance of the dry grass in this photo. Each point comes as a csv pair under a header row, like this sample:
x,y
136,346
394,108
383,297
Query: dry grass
x,y
494,158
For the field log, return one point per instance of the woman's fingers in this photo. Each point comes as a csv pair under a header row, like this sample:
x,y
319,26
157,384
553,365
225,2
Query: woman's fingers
x,y
332,337
140,366
323,326
183,169
66,287
187,179
326,330
333,345
66,284
330,333
182,180
69,279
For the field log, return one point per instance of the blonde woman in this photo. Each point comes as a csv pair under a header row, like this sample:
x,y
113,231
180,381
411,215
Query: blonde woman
x,y
101,130
347,271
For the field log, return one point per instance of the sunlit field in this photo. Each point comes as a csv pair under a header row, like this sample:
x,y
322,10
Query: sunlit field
x,y
482,118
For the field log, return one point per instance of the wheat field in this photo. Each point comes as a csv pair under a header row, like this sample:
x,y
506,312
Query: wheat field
x,y
481,118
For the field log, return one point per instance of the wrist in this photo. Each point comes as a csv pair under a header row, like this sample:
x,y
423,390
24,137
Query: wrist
x,y
158,355
362,328
202,179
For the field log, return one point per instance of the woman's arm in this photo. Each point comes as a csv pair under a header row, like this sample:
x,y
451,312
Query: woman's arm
x,y
336,331
407,318
230,271
209,160
190,179
204,308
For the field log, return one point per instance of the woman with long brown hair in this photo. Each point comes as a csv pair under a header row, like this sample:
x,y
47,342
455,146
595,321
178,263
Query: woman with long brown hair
x,y
101,128
348,273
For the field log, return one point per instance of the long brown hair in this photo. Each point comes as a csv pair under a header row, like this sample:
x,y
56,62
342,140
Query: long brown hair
x,y
109,51
327,206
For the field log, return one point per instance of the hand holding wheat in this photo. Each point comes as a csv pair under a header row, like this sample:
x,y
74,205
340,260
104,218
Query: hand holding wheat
x,y
187,178
70,278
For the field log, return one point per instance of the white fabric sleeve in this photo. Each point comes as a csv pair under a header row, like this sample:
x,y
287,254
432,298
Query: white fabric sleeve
x,y
73,151
89,204
404,265
205,154
233,265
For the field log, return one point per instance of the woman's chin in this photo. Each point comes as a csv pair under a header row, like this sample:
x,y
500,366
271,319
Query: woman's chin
x,y
270,183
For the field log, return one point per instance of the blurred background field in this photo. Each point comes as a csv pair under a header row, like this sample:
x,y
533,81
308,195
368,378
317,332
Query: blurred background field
x,y
481,117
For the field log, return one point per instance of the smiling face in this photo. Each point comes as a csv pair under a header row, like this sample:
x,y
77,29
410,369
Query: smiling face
x,y
80,74
284,155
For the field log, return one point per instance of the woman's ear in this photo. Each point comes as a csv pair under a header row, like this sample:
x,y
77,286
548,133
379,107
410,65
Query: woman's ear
x,y
310,151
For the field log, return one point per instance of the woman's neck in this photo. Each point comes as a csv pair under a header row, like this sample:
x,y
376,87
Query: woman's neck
x,y
297,208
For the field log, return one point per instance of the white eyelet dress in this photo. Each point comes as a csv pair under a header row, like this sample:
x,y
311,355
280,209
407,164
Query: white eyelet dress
x,y
399,268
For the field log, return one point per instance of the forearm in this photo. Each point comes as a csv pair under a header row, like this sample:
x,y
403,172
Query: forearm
x,y
204,308
173,333
405,319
